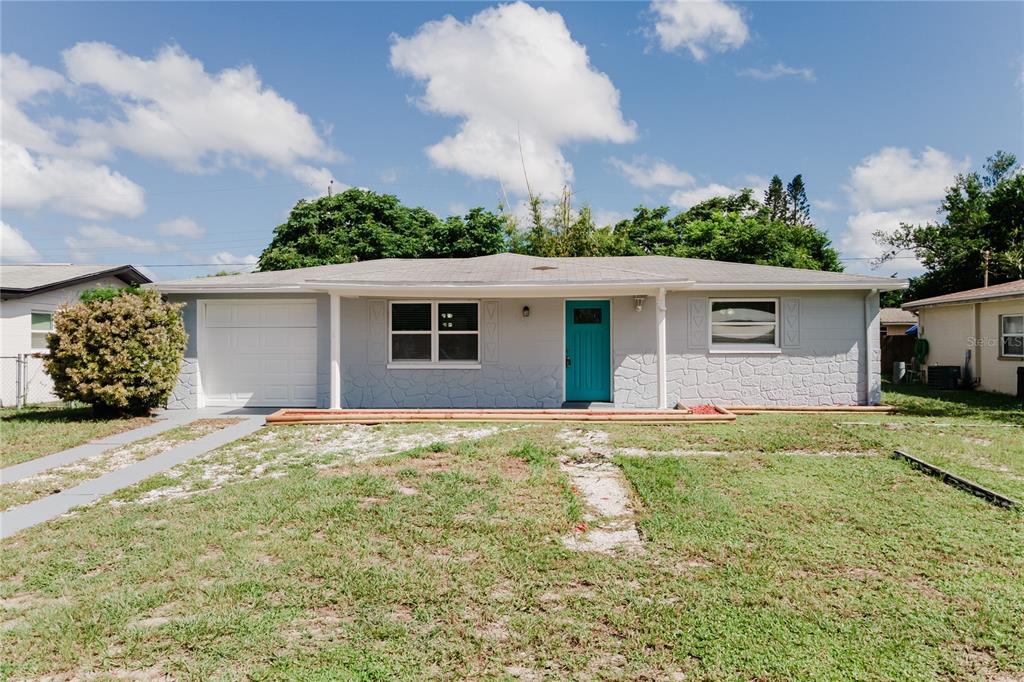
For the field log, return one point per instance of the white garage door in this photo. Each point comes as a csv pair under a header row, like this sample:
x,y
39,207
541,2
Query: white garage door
x,y
259,353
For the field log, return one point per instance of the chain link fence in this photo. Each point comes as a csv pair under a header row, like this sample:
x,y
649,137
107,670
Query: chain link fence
x,y
24,381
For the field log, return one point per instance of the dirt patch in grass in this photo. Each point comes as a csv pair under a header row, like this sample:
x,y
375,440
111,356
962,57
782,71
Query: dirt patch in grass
x,y
331,450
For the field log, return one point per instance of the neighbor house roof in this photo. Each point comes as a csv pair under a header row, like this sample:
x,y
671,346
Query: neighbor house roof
x,y
17,281
1008,290
515,274
896,316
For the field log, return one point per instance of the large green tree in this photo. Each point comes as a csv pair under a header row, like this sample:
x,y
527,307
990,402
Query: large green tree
x,y
776,199
363,225
796,200
736,228
358,224
982,229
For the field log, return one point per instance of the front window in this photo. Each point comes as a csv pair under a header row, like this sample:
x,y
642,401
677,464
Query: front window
x,y
42,325
744,325
1012,336
433,332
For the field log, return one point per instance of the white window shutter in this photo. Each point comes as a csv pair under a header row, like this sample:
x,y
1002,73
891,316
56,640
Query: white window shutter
x,y
697,323
489,331
377,339
790,322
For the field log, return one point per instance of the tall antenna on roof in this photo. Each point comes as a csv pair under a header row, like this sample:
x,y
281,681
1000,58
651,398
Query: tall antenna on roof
x,y
522,159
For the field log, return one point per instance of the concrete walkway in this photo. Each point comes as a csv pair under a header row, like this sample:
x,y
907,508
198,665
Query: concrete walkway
x,y
166,420
51,507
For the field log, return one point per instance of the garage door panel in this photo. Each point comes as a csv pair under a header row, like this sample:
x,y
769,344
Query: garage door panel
x,y
219,314
260,353
303,365
305,394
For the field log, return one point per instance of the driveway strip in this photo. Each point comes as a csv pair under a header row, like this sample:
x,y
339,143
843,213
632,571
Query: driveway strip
x,y
93,448
34,513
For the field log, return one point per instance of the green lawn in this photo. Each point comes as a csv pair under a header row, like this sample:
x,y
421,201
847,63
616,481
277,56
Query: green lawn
x,y
779,547
36,431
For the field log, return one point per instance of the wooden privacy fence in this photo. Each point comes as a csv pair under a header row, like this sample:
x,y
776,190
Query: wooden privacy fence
x,y
897,349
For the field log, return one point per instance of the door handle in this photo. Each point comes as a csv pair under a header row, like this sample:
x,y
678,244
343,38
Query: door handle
x,y
568,362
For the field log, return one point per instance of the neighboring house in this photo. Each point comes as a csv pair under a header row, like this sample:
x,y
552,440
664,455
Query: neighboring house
x,y
988,321
29,295
896,321
520,331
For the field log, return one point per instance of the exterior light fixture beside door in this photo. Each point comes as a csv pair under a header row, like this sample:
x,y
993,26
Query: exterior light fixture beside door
x,y
638,303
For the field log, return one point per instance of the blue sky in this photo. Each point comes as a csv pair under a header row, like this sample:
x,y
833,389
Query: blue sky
x,y
165,134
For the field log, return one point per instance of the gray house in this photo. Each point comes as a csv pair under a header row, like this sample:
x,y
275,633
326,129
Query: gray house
x,y
520,331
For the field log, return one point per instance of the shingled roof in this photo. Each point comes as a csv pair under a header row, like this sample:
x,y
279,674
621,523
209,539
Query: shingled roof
x,y
18,281
1007,290
514,270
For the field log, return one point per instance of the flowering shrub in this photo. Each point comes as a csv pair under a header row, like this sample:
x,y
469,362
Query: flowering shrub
x,y
119,354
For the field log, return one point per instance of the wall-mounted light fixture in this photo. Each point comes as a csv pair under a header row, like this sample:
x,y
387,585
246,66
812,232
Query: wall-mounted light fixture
x,y
526,311
638,303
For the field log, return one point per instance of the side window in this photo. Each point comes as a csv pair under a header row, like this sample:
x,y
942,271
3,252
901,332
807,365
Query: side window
x,y
744,325
42,324
1011,342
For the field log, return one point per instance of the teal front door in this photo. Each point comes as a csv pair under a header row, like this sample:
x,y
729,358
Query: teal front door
x,y
588,350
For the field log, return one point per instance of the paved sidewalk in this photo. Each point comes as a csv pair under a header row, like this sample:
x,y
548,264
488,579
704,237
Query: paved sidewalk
x,y
51,507
166,420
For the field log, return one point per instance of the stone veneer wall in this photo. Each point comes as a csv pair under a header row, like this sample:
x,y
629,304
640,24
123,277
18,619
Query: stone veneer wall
x,y
821,360
184,397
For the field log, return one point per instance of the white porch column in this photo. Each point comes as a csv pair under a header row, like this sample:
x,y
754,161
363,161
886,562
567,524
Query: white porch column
x,y
660,309
335,351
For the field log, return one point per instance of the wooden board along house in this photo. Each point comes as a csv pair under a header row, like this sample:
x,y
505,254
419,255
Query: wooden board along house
x,y
510,330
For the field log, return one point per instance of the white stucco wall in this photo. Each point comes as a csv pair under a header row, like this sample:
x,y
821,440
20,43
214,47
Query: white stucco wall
x,y
16,336
997,373
952,330
948,330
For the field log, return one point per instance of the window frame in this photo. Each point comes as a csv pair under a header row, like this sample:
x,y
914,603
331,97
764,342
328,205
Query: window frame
x,y
1003,335
774,347
33,332
435,362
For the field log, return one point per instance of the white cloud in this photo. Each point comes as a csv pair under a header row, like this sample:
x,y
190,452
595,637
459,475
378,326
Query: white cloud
x,y
779,70
893,177
699,26
94,242
825,204
893,186
22,81
605,217
458,209
513,74
39,171
180,227
14,248
647,173
685,198
228,260
70,185
173,110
